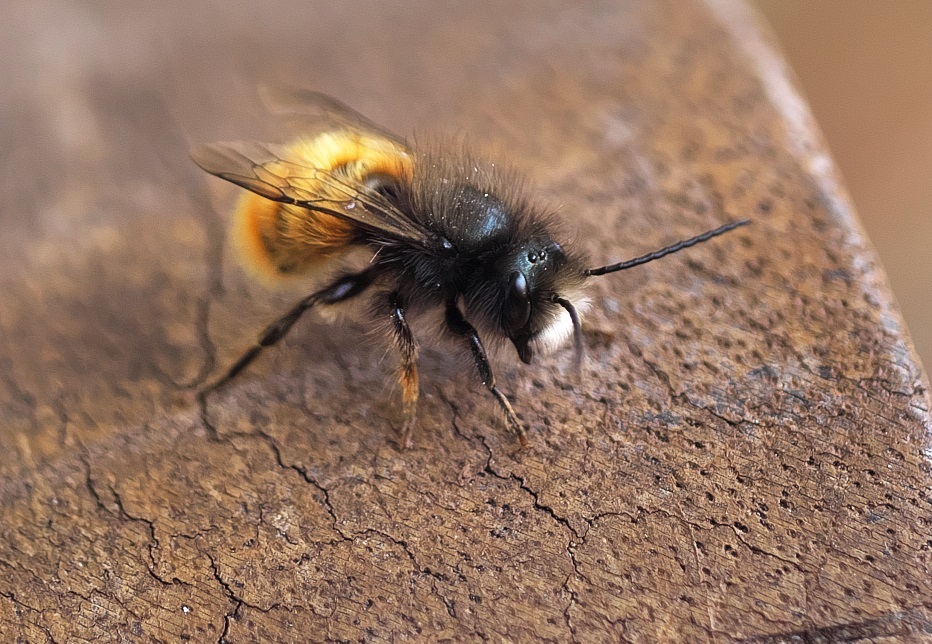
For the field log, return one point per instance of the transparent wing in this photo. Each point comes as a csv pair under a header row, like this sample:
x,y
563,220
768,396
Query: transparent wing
x,y
265,170
308,111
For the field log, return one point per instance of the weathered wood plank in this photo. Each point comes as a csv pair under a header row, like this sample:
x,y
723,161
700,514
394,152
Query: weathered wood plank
x,y
745,456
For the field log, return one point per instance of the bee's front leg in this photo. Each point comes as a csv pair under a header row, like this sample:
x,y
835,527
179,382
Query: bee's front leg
x,y
460,327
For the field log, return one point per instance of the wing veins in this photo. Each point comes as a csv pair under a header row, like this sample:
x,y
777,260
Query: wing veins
x,y
260,169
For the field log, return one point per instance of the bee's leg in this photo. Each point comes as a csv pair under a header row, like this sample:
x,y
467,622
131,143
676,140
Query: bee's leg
x,y
460,327
341,290
404,340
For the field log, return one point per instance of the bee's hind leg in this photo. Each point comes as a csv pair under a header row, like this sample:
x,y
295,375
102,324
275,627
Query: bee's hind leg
x,y
407,376
344,288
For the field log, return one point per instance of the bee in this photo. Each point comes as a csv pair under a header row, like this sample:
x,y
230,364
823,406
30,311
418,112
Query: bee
x,y
442,232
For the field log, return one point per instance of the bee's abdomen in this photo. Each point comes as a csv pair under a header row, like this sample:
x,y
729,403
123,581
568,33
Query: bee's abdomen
x,y
278,240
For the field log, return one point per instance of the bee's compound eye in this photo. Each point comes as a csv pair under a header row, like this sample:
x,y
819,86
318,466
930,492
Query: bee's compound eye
x,y
518,302
519,285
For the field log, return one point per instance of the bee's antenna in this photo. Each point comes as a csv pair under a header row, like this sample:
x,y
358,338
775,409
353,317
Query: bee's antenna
x,y
669,250
577,329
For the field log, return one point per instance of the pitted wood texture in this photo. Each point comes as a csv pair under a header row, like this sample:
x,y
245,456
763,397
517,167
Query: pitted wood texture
x,y
746,455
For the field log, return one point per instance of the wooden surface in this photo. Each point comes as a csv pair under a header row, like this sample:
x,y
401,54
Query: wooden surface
x,y
746,455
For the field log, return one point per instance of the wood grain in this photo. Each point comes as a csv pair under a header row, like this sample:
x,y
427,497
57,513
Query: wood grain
x,y
746,455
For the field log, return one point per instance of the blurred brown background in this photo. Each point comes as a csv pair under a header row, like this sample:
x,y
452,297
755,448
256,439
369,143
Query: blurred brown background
x,y
866,69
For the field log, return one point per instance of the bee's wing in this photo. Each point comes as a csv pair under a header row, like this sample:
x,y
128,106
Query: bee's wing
x,y
308,111
262,169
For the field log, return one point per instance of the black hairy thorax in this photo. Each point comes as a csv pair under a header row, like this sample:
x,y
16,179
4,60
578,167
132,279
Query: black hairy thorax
x,y
472,228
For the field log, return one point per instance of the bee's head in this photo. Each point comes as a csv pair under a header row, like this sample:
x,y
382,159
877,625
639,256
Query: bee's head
x,y
540,297
532,291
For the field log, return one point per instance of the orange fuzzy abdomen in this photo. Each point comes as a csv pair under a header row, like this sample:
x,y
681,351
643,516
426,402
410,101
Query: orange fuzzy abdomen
x,y
277,240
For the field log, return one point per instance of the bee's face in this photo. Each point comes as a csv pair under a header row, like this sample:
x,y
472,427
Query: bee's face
x,y
539,273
